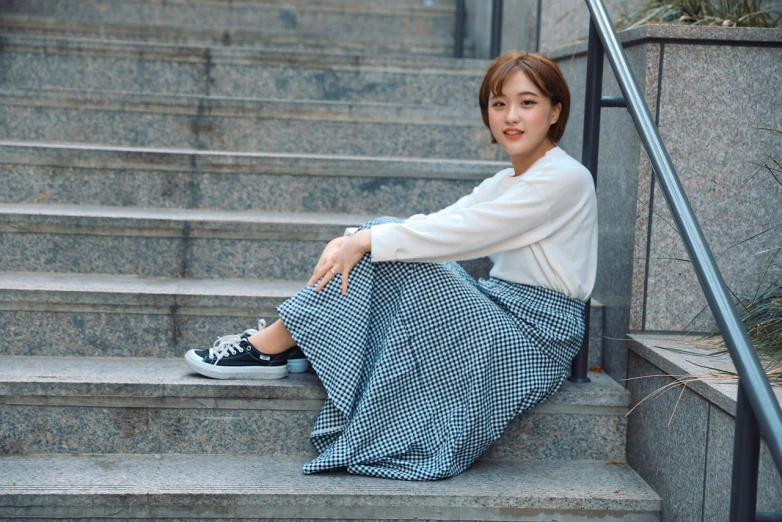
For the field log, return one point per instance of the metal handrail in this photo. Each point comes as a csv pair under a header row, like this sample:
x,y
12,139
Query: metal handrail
x,y
754,390
757,410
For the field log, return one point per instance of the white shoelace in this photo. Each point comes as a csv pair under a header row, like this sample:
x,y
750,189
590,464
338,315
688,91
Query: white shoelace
x,y
229,344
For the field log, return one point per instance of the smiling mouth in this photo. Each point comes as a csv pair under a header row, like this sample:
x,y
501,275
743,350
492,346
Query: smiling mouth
x,y
513,135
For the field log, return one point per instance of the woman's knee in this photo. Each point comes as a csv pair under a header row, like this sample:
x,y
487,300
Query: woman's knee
x,y
380,221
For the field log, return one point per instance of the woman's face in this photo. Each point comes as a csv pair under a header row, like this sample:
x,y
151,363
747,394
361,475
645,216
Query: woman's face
x,y
519,119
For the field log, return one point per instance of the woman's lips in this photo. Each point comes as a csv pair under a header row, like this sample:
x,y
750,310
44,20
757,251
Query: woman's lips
x,y
516,136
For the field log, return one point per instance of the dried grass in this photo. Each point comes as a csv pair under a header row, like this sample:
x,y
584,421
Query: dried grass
x,y
723,13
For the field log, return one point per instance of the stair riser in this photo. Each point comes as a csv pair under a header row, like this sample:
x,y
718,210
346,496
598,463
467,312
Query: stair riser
x,y
231,254
124,331
178,508
229,190
304,133
79,425
116,253
144,325
167,513
362,24
206,71
230,37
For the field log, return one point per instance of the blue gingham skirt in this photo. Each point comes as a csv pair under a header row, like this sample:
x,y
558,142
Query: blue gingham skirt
x,y
424,366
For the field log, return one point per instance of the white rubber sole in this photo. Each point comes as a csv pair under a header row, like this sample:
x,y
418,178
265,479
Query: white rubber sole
x,y
234,372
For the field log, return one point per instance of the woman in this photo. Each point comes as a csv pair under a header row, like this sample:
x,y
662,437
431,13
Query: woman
x,y
423,366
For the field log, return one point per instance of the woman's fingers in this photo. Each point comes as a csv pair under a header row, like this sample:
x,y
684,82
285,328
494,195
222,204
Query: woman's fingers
x,y
324,277
328,275
315,273
325,258
314,277
347,256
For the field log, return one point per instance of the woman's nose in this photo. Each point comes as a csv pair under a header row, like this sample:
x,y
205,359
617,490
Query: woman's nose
x,y
512,115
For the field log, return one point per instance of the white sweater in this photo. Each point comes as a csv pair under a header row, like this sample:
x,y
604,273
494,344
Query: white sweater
x,y
538,229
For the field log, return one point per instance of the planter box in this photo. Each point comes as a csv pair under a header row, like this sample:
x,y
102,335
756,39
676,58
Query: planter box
x,y
681,441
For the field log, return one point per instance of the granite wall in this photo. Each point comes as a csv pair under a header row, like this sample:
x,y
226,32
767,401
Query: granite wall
x,y
681,441
534,25
712,91
519,25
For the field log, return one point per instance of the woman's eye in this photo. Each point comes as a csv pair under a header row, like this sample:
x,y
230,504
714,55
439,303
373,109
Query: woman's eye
x,y
497,104
528,102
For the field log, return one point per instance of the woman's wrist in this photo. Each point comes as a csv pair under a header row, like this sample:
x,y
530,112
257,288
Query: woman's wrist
x,y
364,239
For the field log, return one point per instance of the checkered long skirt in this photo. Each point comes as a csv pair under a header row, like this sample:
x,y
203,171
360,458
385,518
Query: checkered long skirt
x,y
424,366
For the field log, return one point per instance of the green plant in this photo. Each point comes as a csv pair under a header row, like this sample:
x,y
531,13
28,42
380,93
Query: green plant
x,y
725,13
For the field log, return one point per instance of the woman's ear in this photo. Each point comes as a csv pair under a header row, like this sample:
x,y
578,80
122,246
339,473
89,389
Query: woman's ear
x,y
555,110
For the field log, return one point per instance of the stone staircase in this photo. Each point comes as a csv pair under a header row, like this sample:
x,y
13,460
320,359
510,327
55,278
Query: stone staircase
x,y
170,171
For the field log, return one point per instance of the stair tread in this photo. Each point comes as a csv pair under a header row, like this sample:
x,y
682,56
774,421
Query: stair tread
x,y
114,283
216,105
384,6
41,211
385,164
214,480
423,64
57,376
33,24
117,285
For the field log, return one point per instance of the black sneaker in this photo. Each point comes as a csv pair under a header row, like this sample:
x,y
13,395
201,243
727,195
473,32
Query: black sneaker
x,y
239,360
226,339
297,362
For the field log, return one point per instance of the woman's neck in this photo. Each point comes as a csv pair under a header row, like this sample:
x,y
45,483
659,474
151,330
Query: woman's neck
x,y
522,163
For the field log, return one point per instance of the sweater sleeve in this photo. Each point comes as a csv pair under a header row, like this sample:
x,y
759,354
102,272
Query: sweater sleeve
x,y
465,201
518,217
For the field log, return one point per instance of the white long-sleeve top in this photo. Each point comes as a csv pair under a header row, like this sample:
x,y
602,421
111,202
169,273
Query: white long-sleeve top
x,y
539,228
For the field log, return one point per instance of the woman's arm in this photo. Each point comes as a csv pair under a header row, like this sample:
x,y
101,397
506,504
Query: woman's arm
x,y
522,215
465,201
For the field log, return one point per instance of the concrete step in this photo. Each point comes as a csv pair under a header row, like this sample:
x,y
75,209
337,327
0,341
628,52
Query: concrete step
x,y
86,314
278,182
166,242
142,406
428,33
358,22
219,487
31,61
170,242
240,124
129,316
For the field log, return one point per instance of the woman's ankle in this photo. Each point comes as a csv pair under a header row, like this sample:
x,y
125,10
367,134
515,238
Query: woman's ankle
x,y
272,339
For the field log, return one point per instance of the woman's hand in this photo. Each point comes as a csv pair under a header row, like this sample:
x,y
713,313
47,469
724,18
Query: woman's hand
x,y
326,256
347,255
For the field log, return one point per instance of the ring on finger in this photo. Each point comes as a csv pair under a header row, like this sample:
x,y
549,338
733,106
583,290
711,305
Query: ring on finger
x,y
332,271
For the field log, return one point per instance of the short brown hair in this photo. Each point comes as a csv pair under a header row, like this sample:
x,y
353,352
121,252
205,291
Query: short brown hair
x,y
543,72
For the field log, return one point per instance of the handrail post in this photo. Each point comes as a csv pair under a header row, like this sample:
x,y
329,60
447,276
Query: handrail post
x,y
496,29
589,151
458,44
746,452
594,93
